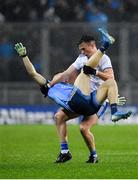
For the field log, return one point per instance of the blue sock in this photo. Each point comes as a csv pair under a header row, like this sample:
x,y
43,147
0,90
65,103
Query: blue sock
x,y
93,153
113,108
64,147
104,46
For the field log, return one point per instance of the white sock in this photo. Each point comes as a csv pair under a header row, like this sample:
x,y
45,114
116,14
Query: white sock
x,y
65,151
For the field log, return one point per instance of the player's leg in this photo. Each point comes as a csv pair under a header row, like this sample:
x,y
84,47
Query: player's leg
x,y
106,41
83,80
109,89
88,137
61,117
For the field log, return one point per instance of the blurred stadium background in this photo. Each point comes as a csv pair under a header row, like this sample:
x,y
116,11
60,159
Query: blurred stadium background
x,y
50,30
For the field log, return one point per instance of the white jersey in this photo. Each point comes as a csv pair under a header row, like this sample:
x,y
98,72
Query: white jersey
x,y
105,63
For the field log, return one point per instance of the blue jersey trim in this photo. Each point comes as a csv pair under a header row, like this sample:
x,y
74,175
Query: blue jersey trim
x,y
102,109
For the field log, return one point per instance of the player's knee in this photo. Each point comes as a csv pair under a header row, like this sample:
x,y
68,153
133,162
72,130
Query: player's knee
x,y
60,117
83,129
111,82
57,117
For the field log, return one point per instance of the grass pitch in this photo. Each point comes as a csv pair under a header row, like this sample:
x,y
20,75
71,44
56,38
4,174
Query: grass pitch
x,y
28,151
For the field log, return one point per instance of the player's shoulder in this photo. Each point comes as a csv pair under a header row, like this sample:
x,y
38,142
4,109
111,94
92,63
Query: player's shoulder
x,y
80,61
82,56
105,57
105,62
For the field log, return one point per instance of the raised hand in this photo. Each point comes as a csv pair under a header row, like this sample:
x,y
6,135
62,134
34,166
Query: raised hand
x,y
21,50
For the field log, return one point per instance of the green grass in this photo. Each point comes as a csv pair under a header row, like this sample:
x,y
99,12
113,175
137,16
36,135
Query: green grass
x,y
28,151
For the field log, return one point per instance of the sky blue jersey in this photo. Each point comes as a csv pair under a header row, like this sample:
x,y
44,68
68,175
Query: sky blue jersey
x,y
61,93
71,98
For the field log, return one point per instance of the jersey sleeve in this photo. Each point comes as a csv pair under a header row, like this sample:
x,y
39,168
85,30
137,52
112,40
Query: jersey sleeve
x,y
80,61
105,63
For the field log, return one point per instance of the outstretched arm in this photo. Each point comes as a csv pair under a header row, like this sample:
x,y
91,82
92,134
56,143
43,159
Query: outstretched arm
x,y
32,72
21,50
69,76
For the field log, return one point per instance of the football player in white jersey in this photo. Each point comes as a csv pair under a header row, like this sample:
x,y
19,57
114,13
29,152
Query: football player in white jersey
x,y
104,71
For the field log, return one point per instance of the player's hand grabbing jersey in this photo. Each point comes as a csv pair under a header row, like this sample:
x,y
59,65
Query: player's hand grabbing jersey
x,y
105,63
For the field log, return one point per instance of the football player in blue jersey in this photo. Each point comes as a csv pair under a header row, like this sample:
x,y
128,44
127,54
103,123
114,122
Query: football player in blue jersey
x,y
77,98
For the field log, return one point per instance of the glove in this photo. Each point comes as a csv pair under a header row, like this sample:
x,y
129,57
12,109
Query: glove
x,y
44,89
21,50
121,101
89,70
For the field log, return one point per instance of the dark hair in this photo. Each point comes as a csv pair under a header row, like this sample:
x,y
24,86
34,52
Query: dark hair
x,y
86,38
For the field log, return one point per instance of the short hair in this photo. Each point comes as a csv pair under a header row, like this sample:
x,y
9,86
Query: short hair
x,y
86,38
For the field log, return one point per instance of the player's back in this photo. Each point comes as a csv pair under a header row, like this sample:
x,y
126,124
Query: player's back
x,y
61,93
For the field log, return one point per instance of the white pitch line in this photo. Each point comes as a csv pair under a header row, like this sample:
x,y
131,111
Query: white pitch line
x,y
119,154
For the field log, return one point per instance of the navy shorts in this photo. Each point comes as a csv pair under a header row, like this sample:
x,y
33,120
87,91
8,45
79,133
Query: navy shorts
x,y
84,105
